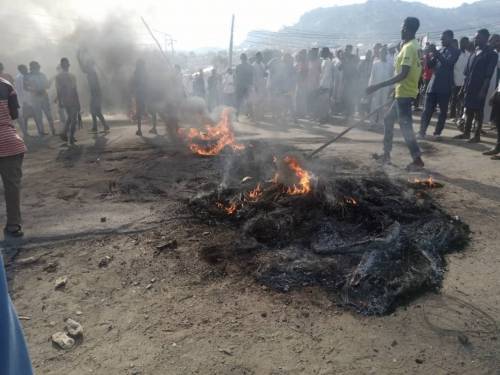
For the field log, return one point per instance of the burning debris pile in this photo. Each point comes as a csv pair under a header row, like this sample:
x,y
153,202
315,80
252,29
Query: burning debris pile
x,y
213,139
370,241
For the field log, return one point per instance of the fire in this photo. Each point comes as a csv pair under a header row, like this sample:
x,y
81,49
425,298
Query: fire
x,y
230,209
213,138
429,182
351,201
255,194
303,186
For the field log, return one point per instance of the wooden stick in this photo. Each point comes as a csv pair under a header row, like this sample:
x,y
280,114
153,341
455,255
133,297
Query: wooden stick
x,y
156,41
360,122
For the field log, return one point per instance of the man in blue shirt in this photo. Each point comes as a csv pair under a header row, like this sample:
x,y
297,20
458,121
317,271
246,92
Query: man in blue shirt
x,y
14,357
441,85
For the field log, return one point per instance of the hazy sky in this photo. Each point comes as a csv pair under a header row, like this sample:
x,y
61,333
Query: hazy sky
x,y
203,23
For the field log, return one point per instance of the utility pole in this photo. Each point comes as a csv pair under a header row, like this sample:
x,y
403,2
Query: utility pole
x,y
231,43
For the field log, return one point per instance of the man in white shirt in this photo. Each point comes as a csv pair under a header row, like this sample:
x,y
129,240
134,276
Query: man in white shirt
x,y
494,43
325,85
456,110
259,86
494,102
382,70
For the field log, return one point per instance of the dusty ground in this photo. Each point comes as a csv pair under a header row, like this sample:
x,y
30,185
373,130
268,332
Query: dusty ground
x,y
170,312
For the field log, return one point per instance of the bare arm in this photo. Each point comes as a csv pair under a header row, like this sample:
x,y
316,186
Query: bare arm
x,y
397,78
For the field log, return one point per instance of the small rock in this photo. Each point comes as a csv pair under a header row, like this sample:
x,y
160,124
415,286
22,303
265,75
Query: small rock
x,y
74,328
206,233
52,323
264,315
226,351
153,280
103,219
419,361
27,261
63,341
61,282
149,286
174,344
51,267
394,343
78,312
169,245
104,262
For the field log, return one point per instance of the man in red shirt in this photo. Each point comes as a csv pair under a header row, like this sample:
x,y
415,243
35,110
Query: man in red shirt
x,y
12,151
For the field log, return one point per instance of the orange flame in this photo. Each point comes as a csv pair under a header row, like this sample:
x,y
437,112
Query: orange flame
x,y
304,178
429,182
219,136
255,194
230,209
351,200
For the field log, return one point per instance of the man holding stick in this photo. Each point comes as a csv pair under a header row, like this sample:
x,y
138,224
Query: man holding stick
x,y
408,71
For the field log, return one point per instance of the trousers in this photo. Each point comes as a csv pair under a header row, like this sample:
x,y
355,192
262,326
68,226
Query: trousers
x,y
12,172
432,100
401,111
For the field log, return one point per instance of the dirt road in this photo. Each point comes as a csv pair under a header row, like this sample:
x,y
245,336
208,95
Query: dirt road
x,y
152,311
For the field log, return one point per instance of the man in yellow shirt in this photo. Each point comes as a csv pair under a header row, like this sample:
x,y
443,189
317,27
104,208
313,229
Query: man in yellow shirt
x,y
408,71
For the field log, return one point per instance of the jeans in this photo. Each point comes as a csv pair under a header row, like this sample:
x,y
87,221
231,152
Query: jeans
x,y
71,122
14,357
401,111
12,172
433,99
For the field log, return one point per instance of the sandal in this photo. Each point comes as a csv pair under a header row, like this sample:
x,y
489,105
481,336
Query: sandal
x,y
18,232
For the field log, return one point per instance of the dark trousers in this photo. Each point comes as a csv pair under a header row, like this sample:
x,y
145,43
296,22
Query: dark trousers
x,y
71,122
432,100
401,110
457,102
242,94
96,112
496,117
12,172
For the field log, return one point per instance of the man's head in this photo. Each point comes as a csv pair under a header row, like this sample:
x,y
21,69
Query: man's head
x,y
481,38
64,64
410,28
447,38
1,68
23,69
34,67
348,49
243,58
464,43
368,55
454,44
495,41
325,53
376,49
258,57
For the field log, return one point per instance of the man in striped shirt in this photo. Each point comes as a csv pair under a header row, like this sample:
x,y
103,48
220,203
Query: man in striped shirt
x,y
12,151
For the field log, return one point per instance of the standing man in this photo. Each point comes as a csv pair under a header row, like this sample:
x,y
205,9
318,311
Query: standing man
x,y
213,90
495,103
408,70
259,86
478,73
88,68
382,70
439,89
457,98
350,69
199,85
243,82
12,151
67,96
38,84
494,43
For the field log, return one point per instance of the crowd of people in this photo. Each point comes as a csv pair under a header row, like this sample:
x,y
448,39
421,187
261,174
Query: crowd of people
x,y
459,78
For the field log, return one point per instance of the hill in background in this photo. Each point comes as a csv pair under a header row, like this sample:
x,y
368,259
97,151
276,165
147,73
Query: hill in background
x,y
377,20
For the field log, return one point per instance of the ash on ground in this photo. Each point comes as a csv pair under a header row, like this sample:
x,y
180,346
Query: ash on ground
x,y
371,241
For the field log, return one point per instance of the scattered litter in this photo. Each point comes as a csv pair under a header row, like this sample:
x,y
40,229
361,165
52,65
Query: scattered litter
x,y
61,282
63,341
